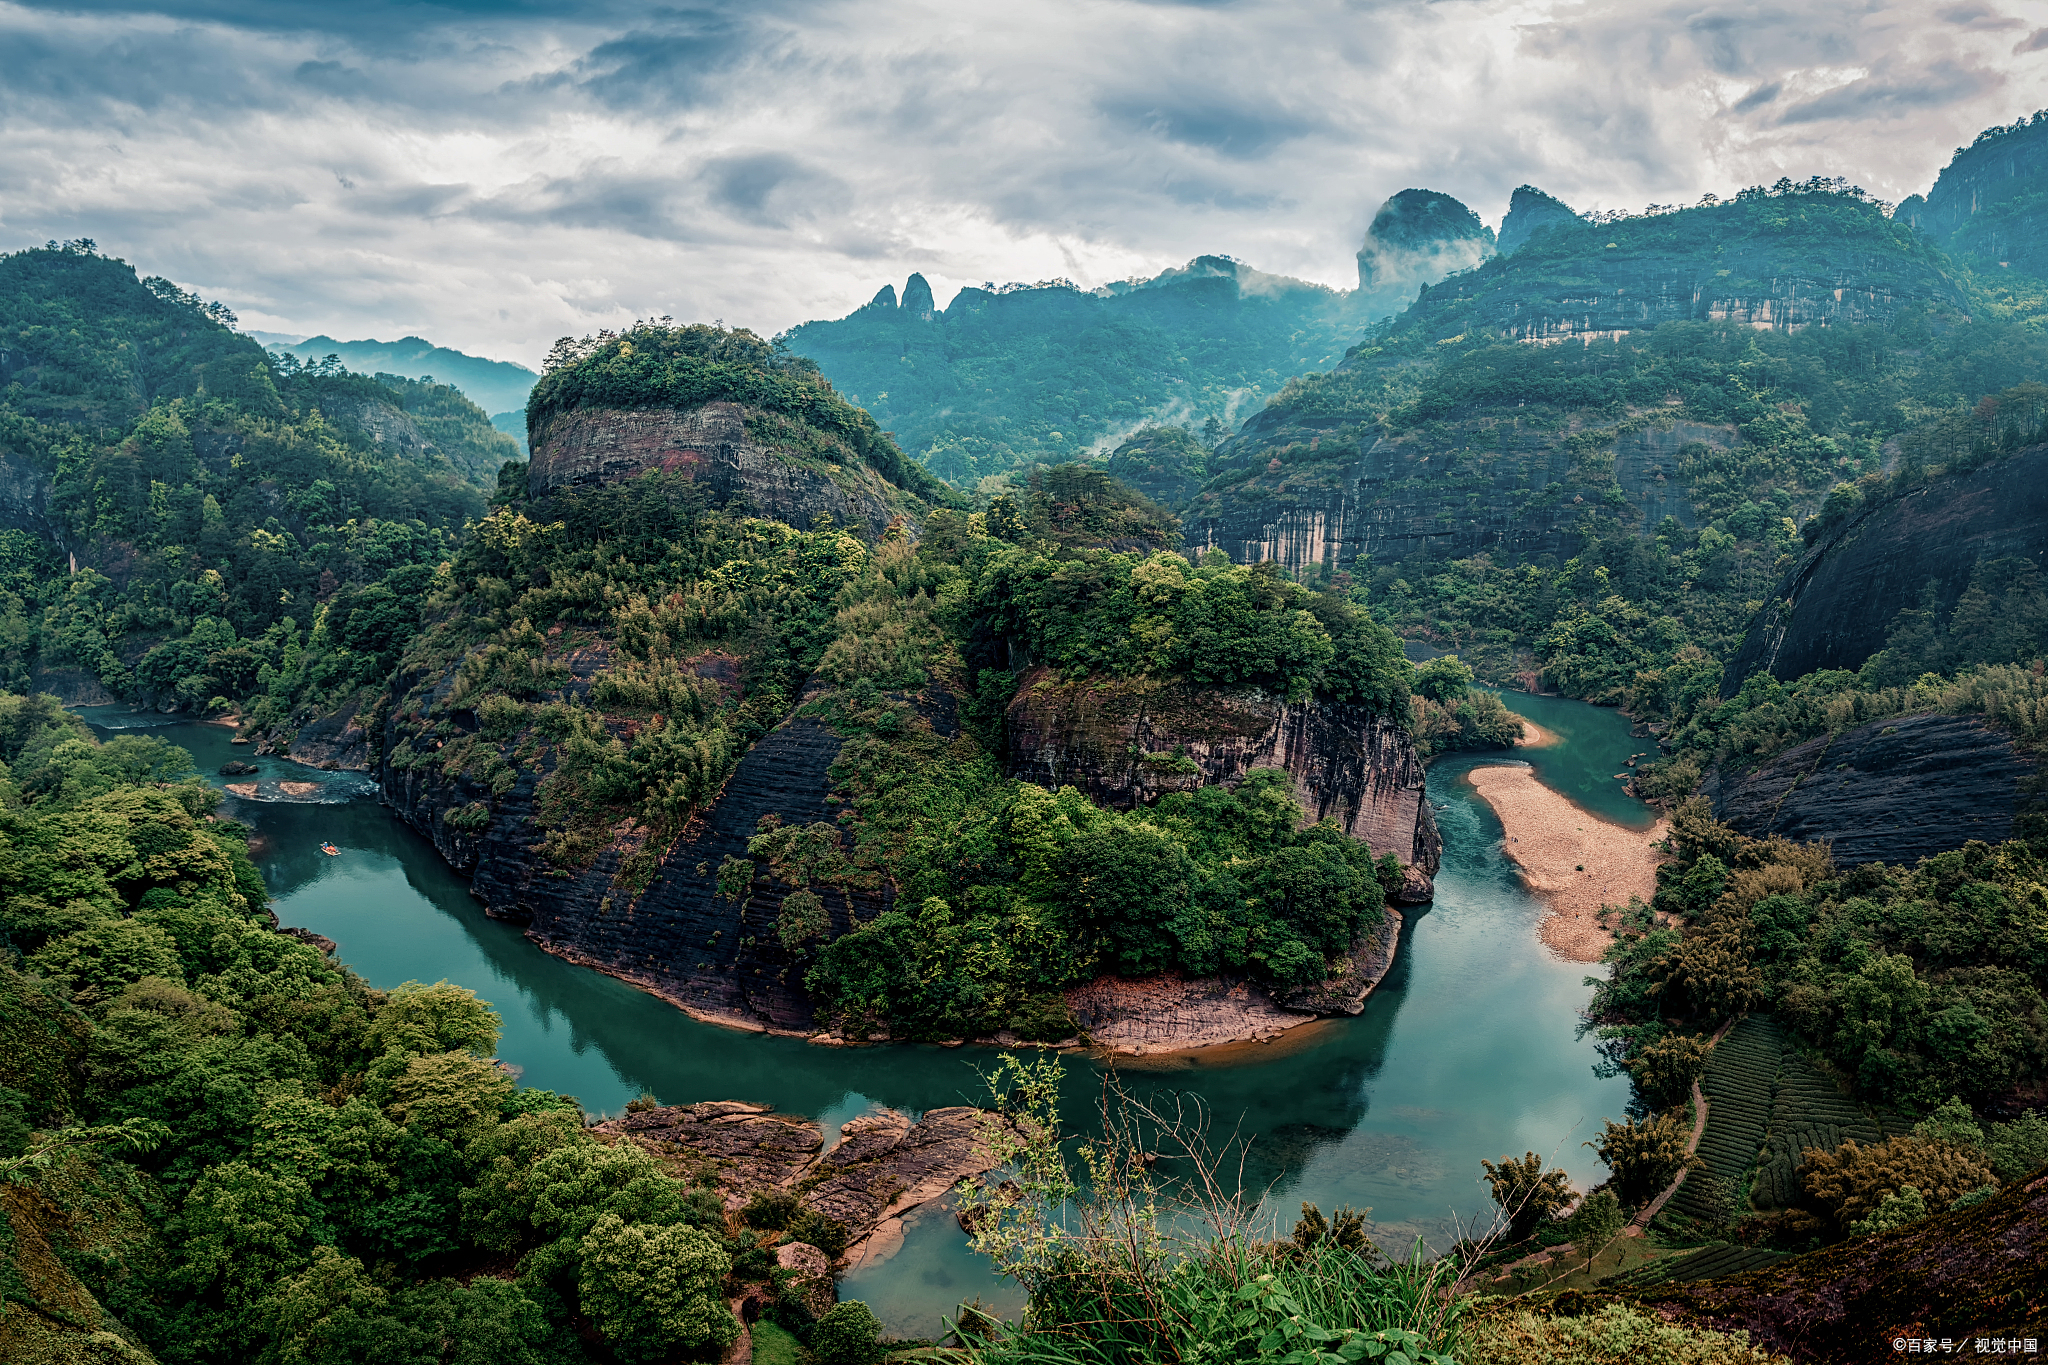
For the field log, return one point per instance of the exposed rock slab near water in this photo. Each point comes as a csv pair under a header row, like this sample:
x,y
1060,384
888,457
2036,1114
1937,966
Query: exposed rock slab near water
x,y
1891,791
883,1167
1174,1013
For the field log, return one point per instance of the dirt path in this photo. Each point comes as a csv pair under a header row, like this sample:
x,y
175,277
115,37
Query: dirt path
x,y
1575,861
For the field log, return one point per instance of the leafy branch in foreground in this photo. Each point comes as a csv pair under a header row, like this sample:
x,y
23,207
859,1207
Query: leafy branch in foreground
x,y
136,1135
1123,1264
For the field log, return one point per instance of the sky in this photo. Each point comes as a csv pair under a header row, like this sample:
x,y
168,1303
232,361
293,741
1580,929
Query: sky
x,y
493,175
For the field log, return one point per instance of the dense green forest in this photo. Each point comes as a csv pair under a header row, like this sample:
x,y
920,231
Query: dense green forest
x,y
218,1144
219,527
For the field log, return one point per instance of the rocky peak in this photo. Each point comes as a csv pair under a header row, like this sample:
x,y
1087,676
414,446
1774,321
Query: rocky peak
x,y
885,297
1530,211
1418,236
917,298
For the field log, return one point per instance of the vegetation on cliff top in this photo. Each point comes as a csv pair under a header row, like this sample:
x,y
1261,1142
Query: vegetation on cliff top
x,y
237,1151
655,364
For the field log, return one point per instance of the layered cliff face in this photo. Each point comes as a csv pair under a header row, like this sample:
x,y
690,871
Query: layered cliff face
x,y
1730,263
1500,483
1124,742
716,957
1891,791
1837,606
736,452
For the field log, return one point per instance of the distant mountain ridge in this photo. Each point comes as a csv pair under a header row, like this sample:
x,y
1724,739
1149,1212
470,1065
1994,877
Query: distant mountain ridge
x,y
497,386
1004,378
1990,203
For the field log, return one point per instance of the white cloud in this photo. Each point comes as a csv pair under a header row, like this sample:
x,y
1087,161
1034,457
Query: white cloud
x,y
494,180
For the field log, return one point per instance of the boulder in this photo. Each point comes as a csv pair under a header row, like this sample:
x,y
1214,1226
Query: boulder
x,y
813,1275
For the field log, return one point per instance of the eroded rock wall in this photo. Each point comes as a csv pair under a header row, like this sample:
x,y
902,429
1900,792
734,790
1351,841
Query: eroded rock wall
x,y
1835,607
1424,493
1126,741
1892,791
711,444
714,957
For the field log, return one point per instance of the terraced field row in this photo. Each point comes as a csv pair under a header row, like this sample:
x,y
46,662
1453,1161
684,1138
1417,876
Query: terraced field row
x,y
1717,1258
1766,1103
1807,1110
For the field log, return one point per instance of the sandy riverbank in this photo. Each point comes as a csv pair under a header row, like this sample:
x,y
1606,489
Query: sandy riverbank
x,y
1575,861
1534,736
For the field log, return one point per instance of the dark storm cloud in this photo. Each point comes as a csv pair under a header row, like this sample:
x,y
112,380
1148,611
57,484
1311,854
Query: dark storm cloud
x,y
1758,98
667,65
771,189
1197,119
1891,95
495,174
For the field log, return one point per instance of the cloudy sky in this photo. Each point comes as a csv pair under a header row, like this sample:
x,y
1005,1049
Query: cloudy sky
x,y
493,175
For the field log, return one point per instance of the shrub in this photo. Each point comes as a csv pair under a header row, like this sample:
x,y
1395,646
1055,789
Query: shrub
x,y
1854,1179
848,1334
822,1231
1345,1229
1616,1335
1666,1069
1895,1210
770,1209
2019,1148
1645,1156
654,1291
1596,1222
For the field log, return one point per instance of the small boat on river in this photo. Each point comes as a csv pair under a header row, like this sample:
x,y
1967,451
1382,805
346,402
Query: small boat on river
x,y
330,850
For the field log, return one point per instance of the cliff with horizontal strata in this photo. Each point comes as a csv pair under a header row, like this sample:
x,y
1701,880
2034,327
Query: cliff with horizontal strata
x,y
740,454
1130,741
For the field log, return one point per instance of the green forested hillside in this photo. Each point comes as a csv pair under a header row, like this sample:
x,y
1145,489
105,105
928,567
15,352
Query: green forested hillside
x,y
1003,892
1657,480
190,523
218,1145
1006,378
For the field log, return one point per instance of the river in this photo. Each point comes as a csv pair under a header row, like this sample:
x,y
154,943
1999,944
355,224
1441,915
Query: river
x,y
1469,1049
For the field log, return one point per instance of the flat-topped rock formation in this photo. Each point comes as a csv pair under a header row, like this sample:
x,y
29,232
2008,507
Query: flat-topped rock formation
x,y
884,1165
1125,741
736,452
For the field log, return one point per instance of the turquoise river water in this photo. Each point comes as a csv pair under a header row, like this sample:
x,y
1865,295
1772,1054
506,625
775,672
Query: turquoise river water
x,y
1469,1049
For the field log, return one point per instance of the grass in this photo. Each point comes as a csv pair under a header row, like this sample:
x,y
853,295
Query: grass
x,y
774,1346
1568,1271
